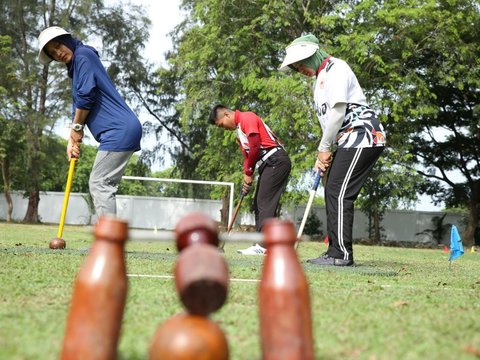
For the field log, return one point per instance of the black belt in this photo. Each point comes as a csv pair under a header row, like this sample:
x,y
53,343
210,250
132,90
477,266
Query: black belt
x,y
269,153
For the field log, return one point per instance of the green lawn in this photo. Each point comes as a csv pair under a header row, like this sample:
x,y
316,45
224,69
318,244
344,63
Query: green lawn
x,y
395,304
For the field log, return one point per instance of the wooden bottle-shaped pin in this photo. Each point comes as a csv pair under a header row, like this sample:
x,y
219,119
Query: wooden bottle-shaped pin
x,y
201,273
285,315
201,279
98,299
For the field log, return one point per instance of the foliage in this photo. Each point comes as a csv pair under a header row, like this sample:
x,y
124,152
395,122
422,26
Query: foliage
x,y
391,185
418,61
212,62
313,225
56,166
135,167
12,143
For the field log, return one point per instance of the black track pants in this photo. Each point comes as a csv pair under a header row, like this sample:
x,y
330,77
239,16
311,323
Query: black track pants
x,y
347,174
272,181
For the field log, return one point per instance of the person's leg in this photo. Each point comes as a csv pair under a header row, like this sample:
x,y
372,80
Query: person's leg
x,y
106,174
271,185
255,201
348,173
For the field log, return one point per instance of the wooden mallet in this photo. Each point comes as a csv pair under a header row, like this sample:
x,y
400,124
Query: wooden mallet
x,y
230,226
58,242
313,191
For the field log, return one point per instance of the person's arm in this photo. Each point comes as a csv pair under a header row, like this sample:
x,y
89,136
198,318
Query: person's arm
x,y
250,160
253,154
85,97
76,136
336,117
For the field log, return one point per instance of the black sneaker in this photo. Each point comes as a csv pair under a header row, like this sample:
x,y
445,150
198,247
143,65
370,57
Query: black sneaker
x,y
328,260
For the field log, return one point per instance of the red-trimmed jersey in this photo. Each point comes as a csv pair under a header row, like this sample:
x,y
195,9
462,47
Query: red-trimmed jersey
x,y
336,83
250,123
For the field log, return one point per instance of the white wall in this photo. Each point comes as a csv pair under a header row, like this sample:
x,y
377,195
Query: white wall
x,y
163,213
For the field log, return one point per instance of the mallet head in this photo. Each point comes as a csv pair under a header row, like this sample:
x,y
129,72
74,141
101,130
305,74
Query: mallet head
x,y
57,243
201,278
196,228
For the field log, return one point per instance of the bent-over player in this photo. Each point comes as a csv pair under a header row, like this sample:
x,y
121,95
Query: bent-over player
x,y
262,151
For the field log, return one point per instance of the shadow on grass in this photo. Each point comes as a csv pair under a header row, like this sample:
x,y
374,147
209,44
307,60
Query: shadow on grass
x,y
36,250
151,255
367,269
22,250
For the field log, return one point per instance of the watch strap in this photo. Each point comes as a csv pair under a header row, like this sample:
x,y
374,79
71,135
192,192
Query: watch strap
x,y
77,127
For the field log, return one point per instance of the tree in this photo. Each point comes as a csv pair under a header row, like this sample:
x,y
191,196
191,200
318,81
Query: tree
x,y
419,61
12,142
43,97
389,185
213,62
235,62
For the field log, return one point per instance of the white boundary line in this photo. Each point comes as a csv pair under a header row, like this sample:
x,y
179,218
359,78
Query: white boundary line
x,y
171,277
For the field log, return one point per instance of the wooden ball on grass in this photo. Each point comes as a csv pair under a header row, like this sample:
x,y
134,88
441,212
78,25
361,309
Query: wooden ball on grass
x,y
187,337
57,243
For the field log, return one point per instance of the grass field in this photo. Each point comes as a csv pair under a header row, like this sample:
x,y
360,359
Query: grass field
x,y
395,304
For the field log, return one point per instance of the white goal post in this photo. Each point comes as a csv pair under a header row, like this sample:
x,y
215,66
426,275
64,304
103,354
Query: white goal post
x,y
204,182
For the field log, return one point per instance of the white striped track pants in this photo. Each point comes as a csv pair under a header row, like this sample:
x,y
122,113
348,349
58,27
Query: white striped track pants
x,y
348,172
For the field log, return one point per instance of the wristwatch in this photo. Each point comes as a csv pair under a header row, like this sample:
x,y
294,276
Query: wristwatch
x,y
77,127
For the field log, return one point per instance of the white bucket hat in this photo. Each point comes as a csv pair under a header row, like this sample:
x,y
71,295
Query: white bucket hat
x,y
296,52
43,39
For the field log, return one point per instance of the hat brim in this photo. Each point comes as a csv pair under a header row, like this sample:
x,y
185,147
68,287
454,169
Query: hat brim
x,y
44,38
297,52
43,58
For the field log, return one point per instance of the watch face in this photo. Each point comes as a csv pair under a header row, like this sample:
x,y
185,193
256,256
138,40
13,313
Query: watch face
x,y
77,127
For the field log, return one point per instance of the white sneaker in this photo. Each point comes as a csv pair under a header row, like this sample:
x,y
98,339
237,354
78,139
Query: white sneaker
x,y
253,250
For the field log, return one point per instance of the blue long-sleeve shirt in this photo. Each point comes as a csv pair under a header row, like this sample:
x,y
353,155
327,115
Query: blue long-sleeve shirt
x,y
111,121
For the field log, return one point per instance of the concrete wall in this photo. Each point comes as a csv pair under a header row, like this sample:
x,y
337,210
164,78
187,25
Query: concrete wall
x,y
139,211
163,213
397,225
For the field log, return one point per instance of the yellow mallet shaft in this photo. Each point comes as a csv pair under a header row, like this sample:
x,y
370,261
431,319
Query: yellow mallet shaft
x,y
71,169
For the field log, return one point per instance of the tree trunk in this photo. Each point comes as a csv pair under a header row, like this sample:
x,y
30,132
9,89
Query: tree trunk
x,y
34,127
6,189
374,234
35,170
32,211
473,216
376,227
370,230
8,197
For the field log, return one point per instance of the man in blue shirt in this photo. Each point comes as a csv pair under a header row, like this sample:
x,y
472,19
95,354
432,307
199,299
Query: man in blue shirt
x,y
98,105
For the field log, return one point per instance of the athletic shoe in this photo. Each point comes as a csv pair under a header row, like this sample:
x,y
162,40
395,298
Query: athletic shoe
x,y
328,260
253,250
